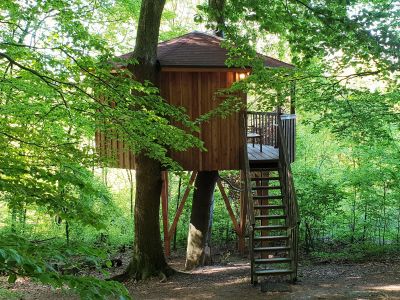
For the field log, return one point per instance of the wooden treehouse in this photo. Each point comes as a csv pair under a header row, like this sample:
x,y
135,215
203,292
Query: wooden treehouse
x,y
259,144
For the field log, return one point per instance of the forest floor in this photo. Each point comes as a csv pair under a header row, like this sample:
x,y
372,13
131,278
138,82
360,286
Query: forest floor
x,y
230,280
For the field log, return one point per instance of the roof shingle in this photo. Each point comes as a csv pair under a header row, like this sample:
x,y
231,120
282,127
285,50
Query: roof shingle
x,y
197,49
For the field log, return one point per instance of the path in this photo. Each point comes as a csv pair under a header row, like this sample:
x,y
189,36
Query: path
x,y
374,280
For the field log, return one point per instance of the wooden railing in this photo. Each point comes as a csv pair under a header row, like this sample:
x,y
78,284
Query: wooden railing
x,y
265,124
247,194
289,195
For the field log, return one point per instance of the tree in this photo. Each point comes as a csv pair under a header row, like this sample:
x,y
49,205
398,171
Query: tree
x,y
148,256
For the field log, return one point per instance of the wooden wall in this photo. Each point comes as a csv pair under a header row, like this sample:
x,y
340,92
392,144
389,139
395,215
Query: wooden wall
x,y
194,90
113,152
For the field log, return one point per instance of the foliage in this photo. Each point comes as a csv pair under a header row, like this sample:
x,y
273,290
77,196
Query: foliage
x,y
60,83
318,198
19,257
351,196
331,43
360,252
360,30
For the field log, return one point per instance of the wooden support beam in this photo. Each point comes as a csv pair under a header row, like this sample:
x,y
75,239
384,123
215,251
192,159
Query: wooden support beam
x,y
228,207
181,205
164,204
243,213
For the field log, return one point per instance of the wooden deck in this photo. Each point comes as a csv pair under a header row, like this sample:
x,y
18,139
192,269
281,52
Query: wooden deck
x,y
268,154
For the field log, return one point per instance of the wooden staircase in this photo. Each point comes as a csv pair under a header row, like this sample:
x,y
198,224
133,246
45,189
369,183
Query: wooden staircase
x,y
272,213
271,242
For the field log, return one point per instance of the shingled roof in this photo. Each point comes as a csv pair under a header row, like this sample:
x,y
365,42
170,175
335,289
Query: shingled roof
x,y
198,49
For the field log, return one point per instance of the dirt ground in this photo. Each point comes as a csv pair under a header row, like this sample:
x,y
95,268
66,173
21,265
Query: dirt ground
x,y
373,280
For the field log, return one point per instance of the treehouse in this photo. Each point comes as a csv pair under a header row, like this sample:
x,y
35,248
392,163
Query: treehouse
x,y
259,144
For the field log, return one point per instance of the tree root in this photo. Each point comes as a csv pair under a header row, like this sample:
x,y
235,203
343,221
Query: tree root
x,y
133,273
119,277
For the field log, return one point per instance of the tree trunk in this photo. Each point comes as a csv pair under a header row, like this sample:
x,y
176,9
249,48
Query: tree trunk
x,y
365,222
13,219
353,221
67,231
398,225
308,237
148,256
200,218
207,247
217,14
384,214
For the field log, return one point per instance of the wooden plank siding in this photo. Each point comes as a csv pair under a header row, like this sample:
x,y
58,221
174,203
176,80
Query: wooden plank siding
x,y
195,91
113,152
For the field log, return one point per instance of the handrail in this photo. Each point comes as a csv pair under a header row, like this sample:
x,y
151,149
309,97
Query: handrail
x,y
247,181
248,196
261,112
289,195
288,116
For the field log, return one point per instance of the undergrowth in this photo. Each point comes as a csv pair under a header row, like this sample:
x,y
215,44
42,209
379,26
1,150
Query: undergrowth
x,y
357,252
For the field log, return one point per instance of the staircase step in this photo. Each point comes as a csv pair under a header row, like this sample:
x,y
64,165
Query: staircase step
x,y
271,238
264,178
261,217
269,206
271,249
275,260
266,187
255,197
271,227
273,272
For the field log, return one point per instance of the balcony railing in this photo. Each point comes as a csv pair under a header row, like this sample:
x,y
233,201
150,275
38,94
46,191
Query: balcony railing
x,y
265,125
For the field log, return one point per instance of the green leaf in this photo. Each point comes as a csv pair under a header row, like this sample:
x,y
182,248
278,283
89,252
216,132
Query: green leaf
x,y
108,263
12,278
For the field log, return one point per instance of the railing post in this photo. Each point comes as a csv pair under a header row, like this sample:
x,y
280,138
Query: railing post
x,y
289,134
278,116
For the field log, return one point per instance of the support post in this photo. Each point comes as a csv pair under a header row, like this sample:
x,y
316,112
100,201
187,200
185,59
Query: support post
x,y
182,204
243,213
228,207
177,205
164,203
